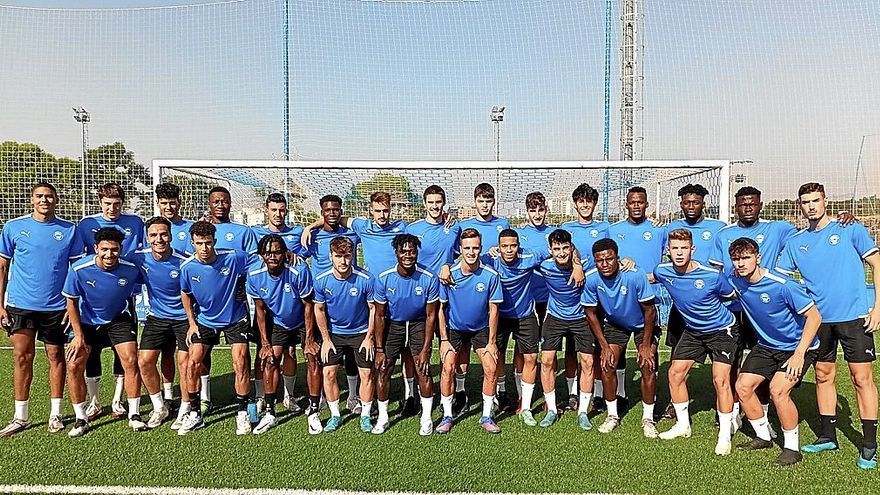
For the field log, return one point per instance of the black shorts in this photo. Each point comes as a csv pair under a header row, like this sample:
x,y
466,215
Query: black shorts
x,y
525,331
161,333
674,327
348,344
541,312
119,331
748,336
555,330
47,324
236,333
721,346
621,336
401,335
477,340
766,362
858,346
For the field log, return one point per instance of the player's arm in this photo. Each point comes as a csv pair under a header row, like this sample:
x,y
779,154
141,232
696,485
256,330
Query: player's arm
x,y
188,302
260,314
78,344
4,279
323,327
309,346
795,363
445,275
872,322
491,347
379,310
423,360
646,346
606,358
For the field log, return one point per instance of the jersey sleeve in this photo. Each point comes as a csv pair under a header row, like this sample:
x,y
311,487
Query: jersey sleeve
x,y
862,241
785,263
589,296
725,289
370,289
646,290
319,291
298,248
379,291
796,297
71,285
495,293
443,294
76,249
185,285
304,285
7,243
250,241
716,256
505,224
359,225
251,287
538,256
786,230
433,290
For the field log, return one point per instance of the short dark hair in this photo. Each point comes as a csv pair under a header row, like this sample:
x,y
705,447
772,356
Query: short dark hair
x,y
167,190
637,189
604,245
484,189
111,190
109,234
401,240
559,236
585,191
219,189
263,245
46,185
470,234
330,198
811,187
535,200
157,220
341,245
202,229
747,191
743,246
697,189
434,189
681,235
276,197
508,233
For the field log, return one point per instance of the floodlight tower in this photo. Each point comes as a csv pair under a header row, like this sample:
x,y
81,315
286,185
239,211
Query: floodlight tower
x,y
497,116
82,116
630,78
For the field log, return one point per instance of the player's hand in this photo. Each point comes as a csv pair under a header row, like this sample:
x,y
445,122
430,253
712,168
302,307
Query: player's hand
x,y
423,361
445,349
311,347
369,348
646,357
76,347
494,252
607,359
267,355
445,276
450,221
577,276
6,321
306,238
653,280
845,218
872,321
65,320
627,264
492,350
380,363
326,348
193,330
293,259
794,366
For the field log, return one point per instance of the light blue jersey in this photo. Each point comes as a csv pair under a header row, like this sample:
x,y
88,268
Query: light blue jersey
x,y
101,295
583,236
643,243
770,236
214,286
290,234
516,282
621,296
703,233
466,304
181,240
347,302
376,243
564,300
284,294
237,236
130,225
319,248
40,253
697,296
162,279
488,230
535,239
407,297
439,243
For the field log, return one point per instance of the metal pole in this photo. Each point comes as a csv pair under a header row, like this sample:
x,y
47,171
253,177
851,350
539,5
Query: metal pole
x,y
609,7
858,167
286,100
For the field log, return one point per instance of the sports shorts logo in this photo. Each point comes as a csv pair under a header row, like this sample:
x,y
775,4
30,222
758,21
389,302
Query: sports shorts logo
x,y
594,233
419,291
699,284
647,236
225,271
725,354
181,235
229,236
759,238
287,288
122,282
174,274
707,235
834,239
58,235
353,292
624,290
481,287
765,298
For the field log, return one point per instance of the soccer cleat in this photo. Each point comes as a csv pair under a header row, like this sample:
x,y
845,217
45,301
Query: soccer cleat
x,y
366,424
242,423
119,410
380,428
598,405
459,404
252,413
755,444
136,423
489,425
867,459
268,421
94,411
178,422
649,428
332,424
789,457
548,419
820,445
572,404
609,424
192,421
426,427
80,428
504,403
206,407
584,421
408,407
157,417
290,404
314,422
56,424
722,448
527,418
444,426
669,412
675,432
353,404
14,426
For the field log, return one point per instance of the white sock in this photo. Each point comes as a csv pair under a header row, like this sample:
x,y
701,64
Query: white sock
x,y
427,406
134,406
736,409
168,390
621,383
206,387
517,380
409,387
584,402
55,406
184,410
366,407
157,400
79,410
766,408
383,411
598,388
725,427
352,386
681,414
647,411
289,384
333,405
120,385
93,388
528,389
550,400
459,381
446,404
791,439
612,408
488,402
22,410
761,427
572,385
259,392
501,384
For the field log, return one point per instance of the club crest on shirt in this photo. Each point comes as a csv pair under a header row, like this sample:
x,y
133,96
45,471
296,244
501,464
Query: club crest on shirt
x,y
759,238
499,228
181,235
699,284
419,291
225,271
174,273
122,282
353,292
594,233
765,298
707,235
623,290
287,288
127,231
834,239
58,235
647,236
481,287
229,236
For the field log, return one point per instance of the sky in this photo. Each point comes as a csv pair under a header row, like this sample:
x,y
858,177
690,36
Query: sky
x,y
787,84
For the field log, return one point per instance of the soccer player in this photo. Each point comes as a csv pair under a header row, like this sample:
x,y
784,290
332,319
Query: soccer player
x,y
629,304
484,221
209,282
711,329
786,320
35,252
831,260
345,313
284,313
407,299
168,202
439,239
276,214
111,198
469,317
99,289
166,322
703,230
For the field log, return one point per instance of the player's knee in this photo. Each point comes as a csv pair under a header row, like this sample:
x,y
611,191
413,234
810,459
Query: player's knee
x,y
23,358
721,381
863,380
530,359
778,392
825,374
742,389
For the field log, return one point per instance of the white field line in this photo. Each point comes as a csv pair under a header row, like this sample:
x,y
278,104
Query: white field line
x,y
169,490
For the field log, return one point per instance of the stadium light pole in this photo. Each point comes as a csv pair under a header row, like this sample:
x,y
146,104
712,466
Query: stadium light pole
x,y
859,167
82,116
497,116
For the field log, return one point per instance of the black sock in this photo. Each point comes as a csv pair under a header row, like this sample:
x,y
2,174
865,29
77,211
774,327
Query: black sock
x,y
829,427
195,402
314,402
270,403
869,430
242,401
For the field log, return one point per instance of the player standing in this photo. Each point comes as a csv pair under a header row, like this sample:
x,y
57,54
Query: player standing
x,y
439,239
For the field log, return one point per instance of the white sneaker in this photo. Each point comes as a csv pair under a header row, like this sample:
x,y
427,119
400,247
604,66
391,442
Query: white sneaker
x,y
609,424
261,405
93,411
242,423
380,428
353,404
178,422
56,424
722,448
649,428
15,426
268,421
426,427
192,421
80,428
315,426
118,410
136,423
157,417
678,430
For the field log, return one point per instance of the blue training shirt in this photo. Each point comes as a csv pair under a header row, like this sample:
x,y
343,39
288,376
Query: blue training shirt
x,y
770,236
407,297
775,305
346,301
181,240
643,243
291,235
439,243
102,294
583,236
466,304
488,230
703,233
237,236
831,262
376,243
283,294
130,225
214,287
697,295
535,239
516,282
162,279
564,300
319,248
40,253
621,296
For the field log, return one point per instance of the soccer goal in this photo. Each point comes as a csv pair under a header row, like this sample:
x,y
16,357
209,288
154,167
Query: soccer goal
x,y
304,182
